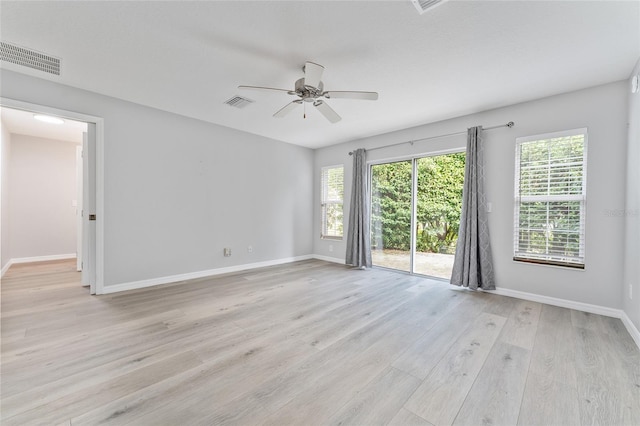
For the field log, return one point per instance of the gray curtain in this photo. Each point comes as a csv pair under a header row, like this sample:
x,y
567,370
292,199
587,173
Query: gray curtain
x,y
358,235
473,264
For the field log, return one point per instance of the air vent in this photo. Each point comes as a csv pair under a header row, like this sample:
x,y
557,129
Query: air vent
x,y
29,58
425,5
238,102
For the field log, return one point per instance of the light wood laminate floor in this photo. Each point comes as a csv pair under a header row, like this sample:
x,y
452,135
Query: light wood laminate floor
x,y
302,344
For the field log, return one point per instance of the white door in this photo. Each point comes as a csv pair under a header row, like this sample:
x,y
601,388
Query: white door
x,y
89,208
79,177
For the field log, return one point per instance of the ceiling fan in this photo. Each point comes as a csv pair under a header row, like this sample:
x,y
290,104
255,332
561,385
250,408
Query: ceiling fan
x,y
311,89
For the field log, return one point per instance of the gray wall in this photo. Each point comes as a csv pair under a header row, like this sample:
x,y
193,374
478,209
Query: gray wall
x,y
632,211
41,193
5,142
603,110
179,190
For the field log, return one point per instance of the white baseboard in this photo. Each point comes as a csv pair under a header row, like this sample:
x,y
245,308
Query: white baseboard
x,y
328,259
631,328
563,303
107,289
578,306
17,260
43,258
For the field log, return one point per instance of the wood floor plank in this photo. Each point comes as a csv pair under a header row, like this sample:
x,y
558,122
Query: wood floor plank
x,y
379,401
631,406
427,351
83,400
553,355
51,390
500,305
494,398
587,320
215,383
407,418
522,325
549,402
441,395
601,382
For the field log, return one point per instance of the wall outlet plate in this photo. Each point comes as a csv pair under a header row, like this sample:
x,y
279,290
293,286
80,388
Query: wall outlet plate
x,y
227,252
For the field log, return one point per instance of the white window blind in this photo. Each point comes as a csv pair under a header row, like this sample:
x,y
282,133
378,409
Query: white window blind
x,y
332,191
550,196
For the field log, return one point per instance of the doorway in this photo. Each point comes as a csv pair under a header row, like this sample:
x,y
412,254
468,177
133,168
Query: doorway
x,y
415,213
92,183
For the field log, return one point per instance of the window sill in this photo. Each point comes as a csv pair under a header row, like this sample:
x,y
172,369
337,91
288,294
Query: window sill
x,y
579,266
327,237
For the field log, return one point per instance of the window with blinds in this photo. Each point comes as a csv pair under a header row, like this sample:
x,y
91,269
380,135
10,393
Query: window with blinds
x,y
332,194
550,196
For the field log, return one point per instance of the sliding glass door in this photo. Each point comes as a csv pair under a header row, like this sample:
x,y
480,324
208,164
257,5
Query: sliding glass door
x,y
391,215
439,202
415,213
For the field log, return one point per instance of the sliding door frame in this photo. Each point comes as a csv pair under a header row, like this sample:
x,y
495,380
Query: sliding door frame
x,y
414,197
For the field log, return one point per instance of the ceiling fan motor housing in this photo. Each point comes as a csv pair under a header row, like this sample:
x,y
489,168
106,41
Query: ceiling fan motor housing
x,y
308,93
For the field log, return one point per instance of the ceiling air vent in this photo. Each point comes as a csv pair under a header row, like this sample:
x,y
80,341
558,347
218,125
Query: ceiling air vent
x,y
425,5
238,102
29,58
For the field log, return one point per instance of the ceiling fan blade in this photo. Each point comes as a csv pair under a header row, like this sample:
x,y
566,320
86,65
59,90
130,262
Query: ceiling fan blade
x,y
327,111
265,88
370,96
287,109
312,74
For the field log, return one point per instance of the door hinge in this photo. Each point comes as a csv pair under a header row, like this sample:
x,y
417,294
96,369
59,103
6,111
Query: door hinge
x,y
92,217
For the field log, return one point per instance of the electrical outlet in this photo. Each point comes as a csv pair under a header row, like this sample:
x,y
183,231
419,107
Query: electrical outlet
x,y
250,249
330,247
227,252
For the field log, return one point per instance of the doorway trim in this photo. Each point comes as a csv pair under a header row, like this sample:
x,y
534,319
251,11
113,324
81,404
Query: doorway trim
x,y
99,170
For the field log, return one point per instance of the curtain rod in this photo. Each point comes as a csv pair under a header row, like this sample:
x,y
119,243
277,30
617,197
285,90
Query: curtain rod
x,y
509,124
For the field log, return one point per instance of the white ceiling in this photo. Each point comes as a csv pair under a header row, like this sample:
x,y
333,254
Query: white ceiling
x,y
23,123
460,58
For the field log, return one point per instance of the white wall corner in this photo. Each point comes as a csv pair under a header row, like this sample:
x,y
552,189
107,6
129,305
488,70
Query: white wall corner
x,y
173,279
5,268
631,328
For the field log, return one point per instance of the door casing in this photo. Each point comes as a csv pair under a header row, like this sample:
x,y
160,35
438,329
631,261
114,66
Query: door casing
x,y
97,192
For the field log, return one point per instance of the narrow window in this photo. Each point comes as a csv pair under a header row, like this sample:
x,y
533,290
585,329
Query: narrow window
x,y
332,194
550,196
